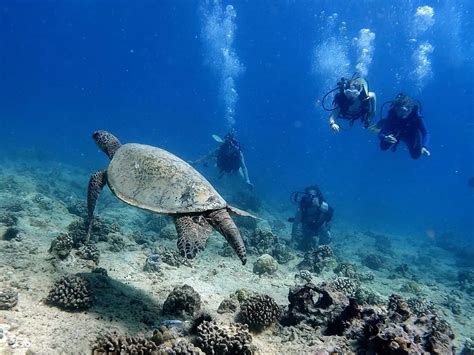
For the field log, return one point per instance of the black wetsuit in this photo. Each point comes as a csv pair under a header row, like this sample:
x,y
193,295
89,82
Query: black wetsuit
x,y
344,103
313,220
229,157
410,130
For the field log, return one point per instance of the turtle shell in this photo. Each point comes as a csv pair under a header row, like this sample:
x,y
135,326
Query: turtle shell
x,y
156,180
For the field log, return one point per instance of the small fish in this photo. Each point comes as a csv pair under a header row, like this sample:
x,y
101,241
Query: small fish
x,y
172,323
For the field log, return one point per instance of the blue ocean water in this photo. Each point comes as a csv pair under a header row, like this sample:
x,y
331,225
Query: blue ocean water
x,y
149,72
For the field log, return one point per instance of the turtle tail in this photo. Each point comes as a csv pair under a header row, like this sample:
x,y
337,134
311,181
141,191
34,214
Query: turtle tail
x,y
223,223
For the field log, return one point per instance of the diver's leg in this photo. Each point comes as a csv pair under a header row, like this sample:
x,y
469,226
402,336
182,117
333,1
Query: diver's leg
x,y
414,145
385,145
324,235
96,183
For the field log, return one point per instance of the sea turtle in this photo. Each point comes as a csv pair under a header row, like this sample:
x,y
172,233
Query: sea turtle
x,y
153,179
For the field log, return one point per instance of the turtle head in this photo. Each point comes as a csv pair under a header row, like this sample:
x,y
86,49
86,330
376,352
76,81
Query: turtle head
x,y
107,142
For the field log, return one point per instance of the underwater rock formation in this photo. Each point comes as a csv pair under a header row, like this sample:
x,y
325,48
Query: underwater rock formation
x,y
317,260
61,246
224,339
8,298
77,230
345,285
183,301
259,312
171,257
89,252
71,293
115,344
262,241
181,347
228,305
282,253
265,264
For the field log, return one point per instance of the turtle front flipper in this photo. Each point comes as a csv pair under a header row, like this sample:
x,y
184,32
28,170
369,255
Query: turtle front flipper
x,y
223,223
96,183
193,232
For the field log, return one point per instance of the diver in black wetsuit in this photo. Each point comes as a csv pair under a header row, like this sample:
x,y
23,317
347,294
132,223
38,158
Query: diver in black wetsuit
x,y
352,102
404,123
229,157
312,218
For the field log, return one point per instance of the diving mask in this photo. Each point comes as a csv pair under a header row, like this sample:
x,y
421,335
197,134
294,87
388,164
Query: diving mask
x,y
352,93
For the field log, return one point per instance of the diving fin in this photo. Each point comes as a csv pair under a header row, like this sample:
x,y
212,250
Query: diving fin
x,y
217,138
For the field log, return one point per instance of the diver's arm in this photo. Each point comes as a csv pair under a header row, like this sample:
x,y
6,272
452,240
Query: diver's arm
x,y
424,133
244,169
373,105
204,159
332,119
425,138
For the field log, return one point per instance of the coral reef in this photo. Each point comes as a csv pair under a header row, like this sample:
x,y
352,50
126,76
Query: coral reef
x,y
262,241
77,208
224,339
181,347
259,312
312,305
282,253
116,242
265,264
182,301
228,305
61,246
71,292
317,259
77,230
421,306
8,298
394,330
345,285
304,276
115,344
164,334
172,257
89,252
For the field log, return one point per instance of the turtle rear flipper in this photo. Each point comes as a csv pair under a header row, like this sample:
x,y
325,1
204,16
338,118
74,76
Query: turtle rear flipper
x,y
96,183
221,221
193,232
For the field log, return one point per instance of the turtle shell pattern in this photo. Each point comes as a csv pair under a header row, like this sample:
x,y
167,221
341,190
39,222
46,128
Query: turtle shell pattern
x,y
156,180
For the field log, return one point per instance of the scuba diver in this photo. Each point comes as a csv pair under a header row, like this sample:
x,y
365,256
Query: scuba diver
x,y
229,157
353,101
312,218
404,123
